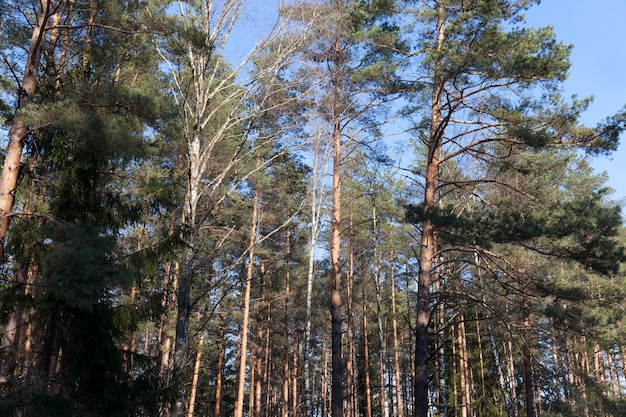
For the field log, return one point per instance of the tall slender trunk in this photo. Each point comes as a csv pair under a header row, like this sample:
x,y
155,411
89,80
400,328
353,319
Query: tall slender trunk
x,y
483,389
598,371
219,371
366,361
463,367
241,381
558,380
294,375
441,362
91,17
286,377
527,370
613,375
262,346
396,345
324,386
352,406
571,378
18,131
382,393
584,371
335,259
427,241
315,223
511,377
267,364
196,372
188,236
455,375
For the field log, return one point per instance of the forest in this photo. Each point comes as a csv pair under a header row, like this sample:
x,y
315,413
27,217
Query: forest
x,y
318,208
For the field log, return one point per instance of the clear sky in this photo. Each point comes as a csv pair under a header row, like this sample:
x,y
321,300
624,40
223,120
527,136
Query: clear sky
x,y
597,29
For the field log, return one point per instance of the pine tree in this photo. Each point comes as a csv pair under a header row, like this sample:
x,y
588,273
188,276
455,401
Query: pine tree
x,y
485,88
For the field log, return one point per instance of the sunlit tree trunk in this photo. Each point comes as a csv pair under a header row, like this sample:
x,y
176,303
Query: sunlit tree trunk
x,y
335,257
382,392
324,387
351,362
263,340
556,359
396,345
196,372
18,131
511,378
464,374
427,241
613,375
483,391
219,371
295,377
286,377
366,360
242,363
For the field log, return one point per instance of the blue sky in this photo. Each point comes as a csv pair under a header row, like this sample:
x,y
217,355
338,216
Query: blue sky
x,y
597,30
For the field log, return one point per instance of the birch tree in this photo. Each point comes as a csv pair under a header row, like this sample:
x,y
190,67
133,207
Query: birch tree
x,y
213,97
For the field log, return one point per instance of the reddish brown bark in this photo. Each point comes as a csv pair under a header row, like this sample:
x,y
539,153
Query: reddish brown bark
x,y
19,131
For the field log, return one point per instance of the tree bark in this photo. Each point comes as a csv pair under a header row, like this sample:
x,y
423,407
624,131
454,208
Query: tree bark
x,y
352,406
335,259
286,374
366,360
382,392
483,390
241,381
427,241
396,345
463,367
18,131
196,373
512,383
527,370
219,371
316,207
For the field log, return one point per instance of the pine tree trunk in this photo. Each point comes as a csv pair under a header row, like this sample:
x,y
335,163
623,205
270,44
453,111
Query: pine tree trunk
x,y
335,259
324,387
455,375
267,364
557,364
384,405
508,402
464,379
441,362
166,343
219,371
396,345
483,390
262,346
351,362
527,371
286,374
18,130
571,379
427,241
196,373
511,377
366,360
241,381
294,376
614,377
